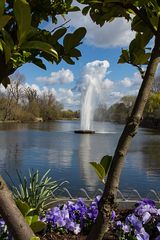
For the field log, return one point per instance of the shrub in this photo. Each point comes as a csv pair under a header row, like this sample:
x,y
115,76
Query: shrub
x,y
36,191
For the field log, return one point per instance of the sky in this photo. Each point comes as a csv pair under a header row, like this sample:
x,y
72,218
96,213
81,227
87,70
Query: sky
x,y
100,50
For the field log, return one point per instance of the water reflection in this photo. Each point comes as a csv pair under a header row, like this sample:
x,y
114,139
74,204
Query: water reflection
x,y
84,159
55,146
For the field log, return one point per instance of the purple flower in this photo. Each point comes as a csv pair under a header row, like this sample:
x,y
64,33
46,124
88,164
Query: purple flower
x,y
143,208
72,216
97,198
126,228
158,238
147,201
136,223
142,235
2,223
118,223
113,215
146,217
158,226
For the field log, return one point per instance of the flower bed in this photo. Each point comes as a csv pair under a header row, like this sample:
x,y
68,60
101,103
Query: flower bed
x,y
73,220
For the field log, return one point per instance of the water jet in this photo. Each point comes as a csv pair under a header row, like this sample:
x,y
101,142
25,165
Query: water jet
x,y
93,83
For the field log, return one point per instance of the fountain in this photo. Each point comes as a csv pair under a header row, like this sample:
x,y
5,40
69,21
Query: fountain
x,y
90,93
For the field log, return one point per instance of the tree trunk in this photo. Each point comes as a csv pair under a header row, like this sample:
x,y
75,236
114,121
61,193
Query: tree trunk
x,y
12,216
111,186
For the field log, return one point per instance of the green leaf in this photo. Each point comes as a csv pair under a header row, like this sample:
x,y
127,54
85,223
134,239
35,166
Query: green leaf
x,y
4,20
37,226
31,212
1,47
2,5
7,38
68,60
23,207
74,9
5,81
105,162
78,35
39,63
72,40
85,10
69,2
42,46
67,42
7,50
28,220
99,170
35,238
75,53
23,17
58,34
124,57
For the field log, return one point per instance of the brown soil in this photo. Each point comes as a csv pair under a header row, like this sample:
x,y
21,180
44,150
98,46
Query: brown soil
x,y
56,236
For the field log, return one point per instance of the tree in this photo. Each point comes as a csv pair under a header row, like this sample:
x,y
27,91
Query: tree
x,y
49,107
156,84
153,102
23,39
16,87
145,21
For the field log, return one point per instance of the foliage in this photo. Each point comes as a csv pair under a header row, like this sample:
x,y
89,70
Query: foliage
x,y
153,102
102,168
23,37
31,216
35,191
120,111
24,104
69,114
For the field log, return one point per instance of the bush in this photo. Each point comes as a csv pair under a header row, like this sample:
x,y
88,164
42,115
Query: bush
x,y
36,191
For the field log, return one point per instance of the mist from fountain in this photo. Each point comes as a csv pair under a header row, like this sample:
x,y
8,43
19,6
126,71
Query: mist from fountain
x,y
93,83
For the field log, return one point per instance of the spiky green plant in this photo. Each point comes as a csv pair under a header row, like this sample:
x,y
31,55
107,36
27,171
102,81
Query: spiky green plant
x,y
36,191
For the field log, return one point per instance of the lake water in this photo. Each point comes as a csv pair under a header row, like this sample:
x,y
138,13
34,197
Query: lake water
x,y
55,146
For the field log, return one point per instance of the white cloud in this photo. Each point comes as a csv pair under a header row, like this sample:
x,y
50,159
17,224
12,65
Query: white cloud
x,y
62,76
114,34
127,82
133,81
117,94
108,84
67,98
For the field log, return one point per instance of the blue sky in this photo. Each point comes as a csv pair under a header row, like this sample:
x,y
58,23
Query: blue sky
x,y
100,45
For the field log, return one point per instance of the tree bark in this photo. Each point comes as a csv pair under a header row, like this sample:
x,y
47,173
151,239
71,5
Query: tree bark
x,y
12,216
111,186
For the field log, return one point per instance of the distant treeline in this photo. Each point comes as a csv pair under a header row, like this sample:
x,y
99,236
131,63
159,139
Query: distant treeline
x,y
21,103
120,111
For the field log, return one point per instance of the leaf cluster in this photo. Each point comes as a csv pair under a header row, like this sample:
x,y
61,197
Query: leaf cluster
x,y
30,216
102,168
35,191
23,39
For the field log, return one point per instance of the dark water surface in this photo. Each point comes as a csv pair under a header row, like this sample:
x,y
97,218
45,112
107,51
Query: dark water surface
x,y
55,146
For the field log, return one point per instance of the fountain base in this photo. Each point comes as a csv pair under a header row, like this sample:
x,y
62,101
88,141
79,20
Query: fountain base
x,y
84,131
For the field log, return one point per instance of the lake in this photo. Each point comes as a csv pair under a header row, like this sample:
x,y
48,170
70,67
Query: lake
x,y
55,146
